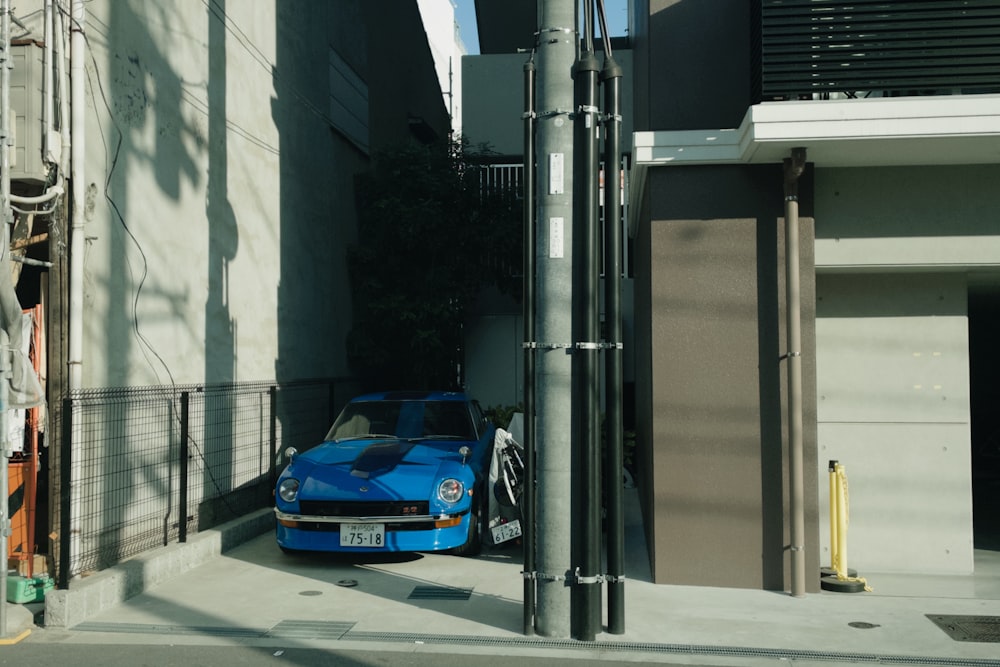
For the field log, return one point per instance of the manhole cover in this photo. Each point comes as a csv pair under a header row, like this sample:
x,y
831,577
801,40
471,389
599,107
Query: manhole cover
x,y
310,593
863,625
969,628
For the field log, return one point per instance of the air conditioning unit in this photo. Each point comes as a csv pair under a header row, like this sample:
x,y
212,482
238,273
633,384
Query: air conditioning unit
x,y
26,100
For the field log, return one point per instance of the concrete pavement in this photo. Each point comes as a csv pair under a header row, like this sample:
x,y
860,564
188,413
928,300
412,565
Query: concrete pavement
x,y
234,586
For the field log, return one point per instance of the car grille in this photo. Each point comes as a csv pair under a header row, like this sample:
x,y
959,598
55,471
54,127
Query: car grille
x,y
364,508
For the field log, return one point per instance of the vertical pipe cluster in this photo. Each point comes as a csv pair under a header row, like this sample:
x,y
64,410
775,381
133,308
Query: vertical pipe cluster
x,y
562,329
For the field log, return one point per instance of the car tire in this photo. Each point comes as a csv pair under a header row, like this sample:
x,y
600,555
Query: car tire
x,y
474,542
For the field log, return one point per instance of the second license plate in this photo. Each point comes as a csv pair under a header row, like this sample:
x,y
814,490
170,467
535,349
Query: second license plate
x,y
506,531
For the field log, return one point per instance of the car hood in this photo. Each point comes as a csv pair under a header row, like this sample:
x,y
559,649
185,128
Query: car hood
x,y
370,469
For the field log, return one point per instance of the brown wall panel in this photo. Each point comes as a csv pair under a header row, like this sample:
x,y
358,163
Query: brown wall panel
x,y
713,438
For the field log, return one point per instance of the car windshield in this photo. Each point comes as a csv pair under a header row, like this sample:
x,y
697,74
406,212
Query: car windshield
x,y
404,419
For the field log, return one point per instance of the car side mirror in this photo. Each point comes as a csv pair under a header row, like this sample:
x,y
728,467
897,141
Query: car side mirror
x,y
465,452
290,454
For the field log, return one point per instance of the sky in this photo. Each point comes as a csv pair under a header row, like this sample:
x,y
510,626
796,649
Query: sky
x,y
465,14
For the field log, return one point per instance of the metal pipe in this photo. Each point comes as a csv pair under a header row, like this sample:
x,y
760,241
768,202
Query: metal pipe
x,y
8,217
793,168
611,76
77,107
50,194
47,105
586,333
4,467
528,270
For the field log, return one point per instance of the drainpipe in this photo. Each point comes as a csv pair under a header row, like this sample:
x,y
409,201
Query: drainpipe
x,y
586,389
793,167
528,493
8,215
77,73
611,77
47,107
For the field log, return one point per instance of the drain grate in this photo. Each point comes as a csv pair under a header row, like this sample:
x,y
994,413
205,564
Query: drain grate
x,y
439,593
969,628
309,630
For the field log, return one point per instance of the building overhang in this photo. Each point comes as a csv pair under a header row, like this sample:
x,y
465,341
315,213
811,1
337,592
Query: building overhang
x,y
885,131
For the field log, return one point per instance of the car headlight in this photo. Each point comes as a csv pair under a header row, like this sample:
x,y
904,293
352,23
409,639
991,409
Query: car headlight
x,y
451,490
289,489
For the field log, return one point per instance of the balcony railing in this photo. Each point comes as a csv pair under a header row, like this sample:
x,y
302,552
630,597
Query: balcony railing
x,y
815,49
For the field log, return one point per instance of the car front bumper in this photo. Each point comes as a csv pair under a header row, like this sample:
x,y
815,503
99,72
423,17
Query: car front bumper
x,y
299,532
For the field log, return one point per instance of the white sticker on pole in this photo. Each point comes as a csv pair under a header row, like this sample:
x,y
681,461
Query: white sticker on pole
x,y
556,173
556,238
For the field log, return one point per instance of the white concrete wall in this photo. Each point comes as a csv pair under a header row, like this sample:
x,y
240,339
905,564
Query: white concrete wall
x,y
220,203
894,249
447,49
893,407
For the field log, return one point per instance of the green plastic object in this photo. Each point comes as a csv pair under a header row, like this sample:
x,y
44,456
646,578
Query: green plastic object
x,y
28,589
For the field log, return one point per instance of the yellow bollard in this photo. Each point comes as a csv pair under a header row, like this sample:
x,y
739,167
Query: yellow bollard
x,y
840,579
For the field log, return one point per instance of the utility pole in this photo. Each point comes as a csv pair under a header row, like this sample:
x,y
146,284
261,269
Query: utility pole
x,y
553,344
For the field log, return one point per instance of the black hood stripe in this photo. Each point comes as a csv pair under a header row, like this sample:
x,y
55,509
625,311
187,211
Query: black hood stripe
x,y
380,457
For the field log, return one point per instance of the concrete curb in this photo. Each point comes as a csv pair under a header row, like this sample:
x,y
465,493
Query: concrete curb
x,y
88,596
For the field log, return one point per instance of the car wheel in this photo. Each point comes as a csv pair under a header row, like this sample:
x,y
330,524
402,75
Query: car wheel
x,y
474,541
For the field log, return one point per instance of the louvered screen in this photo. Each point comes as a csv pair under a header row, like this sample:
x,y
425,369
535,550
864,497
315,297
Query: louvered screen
x,y
810,48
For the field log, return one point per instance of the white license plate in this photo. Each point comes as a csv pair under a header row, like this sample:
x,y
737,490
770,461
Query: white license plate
x,y
362,535
506,531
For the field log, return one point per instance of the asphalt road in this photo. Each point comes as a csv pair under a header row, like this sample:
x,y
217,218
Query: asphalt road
x,y
28,653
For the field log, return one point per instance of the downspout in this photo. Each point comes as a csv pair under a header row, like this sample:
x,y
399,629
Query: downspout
x,y
611,76
76,241
528,493
586,332
47,107
8,216
793,168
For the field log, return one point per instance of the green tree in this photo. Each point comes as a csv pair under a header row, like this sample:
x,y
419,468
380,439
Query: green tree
x,y
430,237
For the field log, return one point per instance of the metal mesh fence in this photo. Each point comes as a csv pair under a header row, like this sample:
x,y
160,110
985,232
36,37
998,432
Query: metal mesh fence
x,y
142,467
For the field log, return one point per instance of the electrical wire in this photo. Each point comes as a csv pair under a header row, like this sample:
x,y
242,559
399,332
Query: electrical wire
x,y
603,19
269,67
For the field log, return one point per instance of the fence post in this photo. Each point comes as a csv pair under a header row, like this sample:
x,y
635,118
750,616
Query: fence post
x,y
183,495
273,464
65,479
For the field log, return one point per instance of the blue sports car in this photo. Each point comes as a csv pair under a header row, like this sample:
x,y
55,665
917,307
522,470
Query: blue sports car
x,y
398,471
